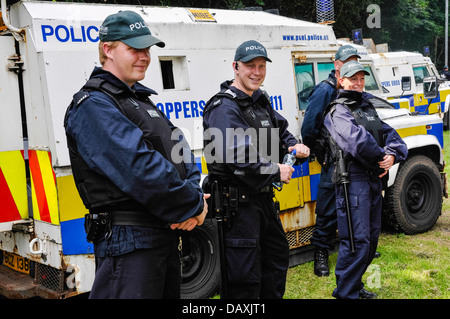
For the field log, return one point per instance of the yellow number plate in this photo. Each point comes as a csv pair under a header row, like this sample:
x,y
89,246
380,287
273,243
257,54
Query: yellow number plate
x,y
15,262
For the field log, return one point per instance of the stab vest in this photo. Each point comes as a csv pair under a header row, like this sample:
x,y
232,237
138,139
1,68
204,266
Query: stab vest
x,y
321,147
96,190
257,116
365,116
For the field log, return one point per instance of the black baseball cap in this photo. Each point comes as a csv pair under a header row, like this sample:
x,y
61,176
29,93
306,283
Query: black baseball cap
x,y
129,28
249,50
350,68
345,52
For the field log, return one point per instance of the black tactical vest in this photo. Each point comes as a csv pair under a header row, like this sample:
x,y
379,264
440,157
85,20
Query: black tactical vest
x,y
96,190
365,116
257,116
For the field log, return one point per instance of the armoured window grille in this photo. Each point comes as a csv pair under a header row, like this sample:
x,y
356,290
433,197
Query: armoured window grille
x,y
325,11
301,237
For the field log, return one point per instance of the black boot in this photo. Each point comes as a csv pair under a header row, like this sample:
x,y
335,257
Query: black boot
x,y
364,294
321,262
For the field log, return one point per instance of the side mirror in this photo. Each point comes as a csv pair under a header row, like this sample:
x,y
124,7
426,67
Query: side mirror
x,y
406,83
430,87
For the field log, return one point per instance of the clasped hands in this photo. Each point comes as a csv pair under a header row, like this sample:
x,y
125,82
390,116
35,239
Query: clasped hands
x,y
192,222
386,164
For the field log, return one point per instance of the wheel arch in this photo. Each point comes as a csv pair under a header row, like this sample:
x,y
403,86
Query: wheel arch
x,y
427,145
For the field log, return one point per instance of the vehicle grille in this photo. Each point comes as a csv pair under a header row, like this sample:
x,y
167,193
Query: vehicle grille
x,y
49,277
300,237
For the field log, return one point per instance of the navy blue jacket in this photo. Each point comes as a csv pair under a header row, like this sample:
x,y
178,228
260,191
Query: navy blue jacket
x,y
113,146
322,94
356,141
229,115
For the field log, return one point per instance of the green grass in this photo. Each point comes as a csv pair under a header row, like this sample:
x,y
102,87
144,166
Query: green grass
x,y
410,267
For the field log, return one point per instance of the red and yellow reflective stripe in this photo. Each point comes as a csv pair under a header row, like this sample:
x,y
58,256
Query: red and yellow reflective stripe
x,y
13,187
13,191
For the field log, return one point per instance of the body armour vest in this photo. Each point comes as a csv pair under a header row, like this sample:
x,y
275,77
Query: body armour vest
x,y
96,190
365,116
257,116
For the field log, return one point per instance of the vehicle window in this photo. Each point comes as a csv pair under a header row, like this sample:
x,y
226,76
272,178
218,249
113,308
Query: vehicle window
x,y
304,77
324,69
381,103
420,72
371,84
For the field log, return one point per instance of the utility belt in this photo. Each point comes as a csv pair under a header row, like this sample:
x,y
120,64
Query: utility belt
x,y
98,225
226,198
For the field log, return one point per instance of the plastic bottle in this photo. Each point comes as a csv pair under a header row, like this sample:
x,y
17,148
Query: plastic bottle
x,y
289,159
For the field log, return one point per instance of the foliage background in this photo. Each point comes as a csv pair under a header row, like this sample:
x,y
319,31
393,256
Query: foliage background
x,y
405,24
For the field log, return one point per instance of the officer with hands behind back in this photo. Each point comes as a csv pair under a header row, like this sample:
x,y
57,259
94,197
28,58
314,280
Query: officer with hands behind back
x,y
120,149
370,147
323,94
241,132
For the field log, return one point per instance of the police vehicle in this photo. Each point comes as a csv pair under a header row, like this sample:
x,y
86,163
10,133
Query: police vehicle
x,y
401,75
47,52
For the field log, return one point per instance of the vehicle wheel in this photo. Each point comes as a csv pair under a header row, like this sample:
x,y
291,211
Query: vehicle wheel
x,y
200,268
415,199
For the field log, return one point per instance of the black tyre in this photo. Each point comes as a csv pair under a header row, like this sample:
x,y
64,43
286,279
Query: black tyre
x,y
415,199
200,268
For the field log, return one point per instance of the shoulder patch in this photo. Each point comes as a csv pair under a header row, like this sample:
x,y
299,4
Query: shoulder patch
x,y
217,102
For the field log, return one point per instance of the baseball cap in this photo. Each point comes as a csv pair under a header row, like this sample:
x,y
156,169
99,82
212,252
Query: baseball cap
x,y
129,28
345,52
352,67
250,50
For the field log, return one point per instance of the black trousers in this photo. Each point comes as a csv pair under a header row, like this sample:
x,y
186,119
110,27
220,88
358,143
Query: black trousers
x,y
256,251
144,273
326,219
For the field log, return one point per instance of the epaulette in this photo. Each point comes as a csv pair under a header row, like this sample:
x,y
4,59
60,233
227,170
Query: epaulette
x,y
80,97
333,84
216,100
99,84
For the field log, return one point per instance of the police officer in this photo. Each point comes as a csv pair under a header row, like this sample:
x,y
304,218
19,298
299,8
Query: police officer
x,y
256,249
120,149
370,147
326,224
445,73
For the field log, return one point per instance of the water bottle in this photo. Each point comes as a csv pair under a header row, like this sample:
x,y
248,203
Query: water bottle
x,y
289,159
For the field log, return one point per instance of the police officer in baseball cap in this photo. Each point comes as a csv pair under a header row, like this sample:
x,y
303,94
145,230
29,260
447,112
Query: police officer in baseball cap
x,y
256,249
120,149
323,93
369,147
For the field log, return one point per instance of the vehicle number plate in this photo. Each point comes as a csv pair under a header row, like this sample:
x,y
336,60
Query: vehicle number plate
x,y
16,262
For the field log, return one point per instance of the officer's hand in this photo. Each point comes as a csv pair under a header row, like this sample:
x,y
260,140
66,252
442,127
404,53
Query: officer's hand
x,y
201,218
285,173
192,222
188,224
386,163
301,150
